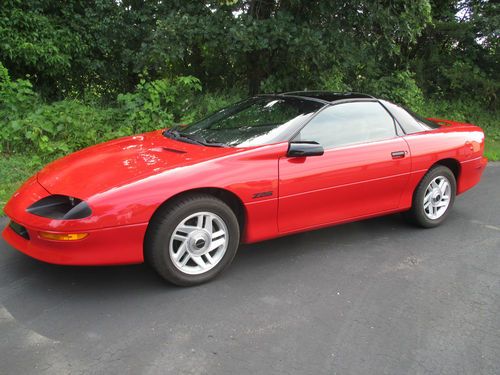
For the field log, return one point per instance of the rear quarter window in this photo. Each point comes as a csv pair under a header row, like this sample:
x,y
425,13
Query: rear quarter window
x,y
410,122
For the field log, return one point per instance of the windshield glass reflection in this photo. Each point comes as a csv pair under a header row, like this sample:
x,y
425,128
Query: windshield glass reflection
x,y
253,122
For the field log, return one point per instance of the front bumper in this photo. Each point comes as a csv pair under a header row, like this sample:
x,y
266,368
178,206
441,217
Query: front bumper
x,y
108,246
111,245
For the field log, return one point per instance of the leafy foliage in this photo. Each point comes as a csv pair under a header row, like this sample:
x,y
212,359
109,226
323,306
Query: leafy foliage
x,y
101,48
34,41
400,87
456,56
159,103
76,72
49,130
15,169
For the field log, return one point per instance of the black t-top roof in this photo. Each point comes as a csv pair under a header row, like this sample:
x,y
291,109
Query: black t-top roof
x,y
328,96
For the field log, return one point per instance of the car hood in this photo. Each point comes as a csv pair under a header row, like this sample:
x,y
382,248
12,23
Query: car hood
x,y
119,162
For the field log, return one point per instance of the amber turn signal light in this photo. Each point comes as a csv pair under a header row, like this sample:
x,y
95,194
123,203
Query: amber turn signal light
x,y
63,236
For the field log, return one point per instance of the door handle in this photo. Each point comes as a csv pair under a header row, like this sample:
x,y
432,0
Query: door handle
x,y
398,154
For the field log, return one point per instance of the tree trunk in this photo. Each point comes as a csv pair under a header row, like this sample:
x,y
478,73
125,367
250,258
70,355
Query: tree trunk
x,y
258,10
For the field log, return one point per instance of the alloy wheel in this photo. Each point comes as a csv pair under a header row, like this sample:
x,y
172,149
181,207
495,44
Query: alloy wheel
x,y
437,197
198,243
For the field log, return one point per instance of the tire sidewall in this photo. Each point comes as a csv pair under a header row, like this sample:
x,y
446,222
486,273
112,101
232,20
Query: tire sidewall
x,y
161,241
418,199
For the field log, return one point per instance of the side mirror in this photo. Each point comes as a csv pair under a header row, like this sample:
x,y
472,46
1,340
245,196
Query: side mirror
x,y
302,149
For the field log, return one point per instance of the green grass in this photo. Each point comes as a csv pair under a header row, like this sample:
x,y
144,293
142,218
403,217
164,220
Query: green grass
x,y
492,149
14,170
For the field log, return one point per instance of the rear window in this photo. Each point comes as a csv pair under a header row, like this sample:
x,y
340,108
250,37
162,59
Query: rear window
x,y
409,121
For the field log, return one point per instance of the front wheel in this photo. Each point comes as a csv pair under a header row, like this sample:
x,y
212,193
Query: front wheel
x,y
433,197
192,240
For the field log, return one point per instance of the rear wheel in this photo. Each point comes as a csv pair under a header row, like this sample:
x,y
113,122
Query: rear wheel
x,y
192,240
433,197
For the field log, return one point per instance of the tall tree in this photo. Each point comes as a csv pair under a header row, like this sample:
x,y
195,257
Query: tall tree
x,y
106,46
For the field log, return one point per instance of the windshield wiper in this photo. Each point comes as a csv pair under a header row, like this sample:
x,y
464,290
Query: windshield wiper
x,y
191,138
175,134
210,143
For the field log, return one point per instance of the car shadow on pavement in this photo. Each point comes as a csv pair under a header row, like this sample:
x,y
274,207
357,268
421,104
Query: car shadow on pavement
x,y
39,295
138,278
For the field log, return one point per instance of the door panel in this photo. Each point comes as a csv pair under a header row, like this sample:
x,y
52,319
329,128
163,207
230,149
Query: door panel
x,y
343,183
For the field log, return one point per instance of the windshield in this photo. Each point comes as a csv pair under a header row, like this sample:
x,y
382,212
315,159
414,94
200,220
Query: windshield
x,y
253,122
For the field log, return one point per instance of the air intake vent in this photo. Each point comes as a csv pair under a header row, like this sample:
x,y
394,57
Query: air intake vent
x,y
173,150
19,229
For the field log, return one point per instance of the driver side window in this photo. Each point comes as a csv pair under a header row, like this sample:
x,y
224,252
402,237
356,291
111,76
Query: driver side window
x,y
349,123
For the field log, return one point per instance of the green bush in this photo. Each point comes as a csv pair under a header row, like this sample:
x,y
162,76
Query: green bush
x,y
159,103
47,131
208,103
61,127
16,99
471,112
465,77
399,87
333,80
14,170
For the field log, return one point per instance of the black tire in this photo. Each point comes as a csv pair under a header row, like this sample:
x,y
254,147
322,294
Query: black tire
x,y
417,213
163,224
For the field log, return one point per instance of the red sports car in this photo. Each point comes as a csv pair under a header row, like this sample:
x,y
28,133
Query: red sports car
x,y
184,198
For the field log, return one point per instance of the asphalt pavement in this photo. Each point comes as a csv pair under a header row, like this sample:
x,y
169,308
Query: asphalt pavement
x,y
373,297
